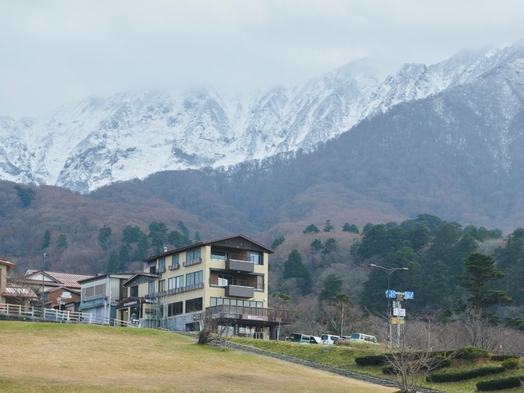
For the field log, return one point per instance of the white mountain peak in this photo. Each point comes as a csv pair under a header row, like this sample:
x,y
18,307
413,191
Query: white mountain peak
x,y
129,135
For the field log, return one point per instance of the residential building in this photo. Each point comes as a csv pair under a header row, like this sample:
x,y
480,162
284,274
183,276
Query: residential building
x,y
102,293
18,294
225,280
53,285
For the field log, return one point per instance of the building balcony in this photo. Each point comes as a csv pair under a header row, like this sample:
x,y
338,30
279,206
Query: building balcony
x,y
174,266
240,291
192,262
253,315
240,266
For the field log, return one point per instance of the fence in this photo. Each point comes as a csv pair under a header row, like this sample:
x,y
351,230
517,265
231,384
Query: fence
x,y
62,316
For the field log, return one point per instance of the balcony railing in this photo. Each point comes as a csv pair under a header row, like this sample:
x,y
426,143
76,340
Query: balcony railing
x,y
241,266
192,262
174,291
174,266
240,291
249,313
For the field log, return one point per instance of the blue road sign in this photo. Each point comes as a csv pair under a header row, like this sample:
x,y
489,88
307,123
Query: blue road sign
x,y
409,295
391,294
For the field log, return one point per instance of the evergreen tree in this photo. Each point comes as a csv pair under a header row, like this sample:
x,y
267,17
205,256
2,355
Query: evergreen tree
x,y
114,263
123,257
316,245
331,287
197,237
511,261
178,239
481,270
277,242
294,268
47,239
26,195
158,235
312,228
350,228
104,237
183,229
62,241
328,227
330,245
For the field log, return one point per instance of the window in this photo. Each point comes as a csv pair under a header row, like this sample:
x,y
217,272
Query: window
x,y
161,263
151,287
174,309
195,278
217,301
193,254
254,257
193,305
133,291
176,259
152,270
260,283
95,291
161,285
218,255
175,282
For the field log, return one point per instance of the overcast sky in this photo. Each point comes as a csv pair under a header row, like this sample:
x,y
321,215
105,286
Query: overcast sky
x,y
56,52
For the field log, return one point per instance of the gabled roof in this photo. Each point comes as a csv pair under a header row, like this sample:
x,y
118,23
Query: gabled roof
x,y
207,243
19,292
139,279
124,276
57,279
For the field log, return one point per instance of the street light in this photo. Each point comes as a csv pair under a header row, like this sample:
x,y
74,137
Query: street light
x,y
388,272
46,255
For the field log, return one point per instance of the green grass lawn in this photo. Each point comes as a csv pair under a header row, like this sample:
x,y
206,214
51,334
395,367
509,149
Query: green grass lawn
x,y
59,358
344,358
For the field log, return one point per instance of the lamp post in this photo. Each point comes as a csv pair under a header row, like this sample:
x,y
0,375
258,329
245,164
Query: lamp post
x,y
388,272
46,255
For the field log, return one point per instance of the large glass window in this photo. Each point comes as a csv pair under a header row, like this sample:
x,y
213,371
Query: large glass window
x,y
254,257
176,259
194,305
218,255
174,309
133,291
260,282
151,287
175,282
193,254
195,278
161,285
161,263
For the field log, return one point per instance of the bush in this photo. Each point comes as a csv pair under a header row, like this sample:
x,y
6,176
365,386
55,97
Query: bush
x,y
373,360
463,375
471,353
510,364
499,384
501,358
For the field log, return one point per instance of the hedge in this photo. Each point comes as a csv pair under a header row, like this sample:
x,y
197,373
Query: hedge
x,y
501,358
463,375
499,384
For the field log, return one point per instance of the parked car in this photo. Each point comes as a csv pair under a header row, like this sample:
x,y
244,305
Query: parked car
x,y
329,339
361,338
304,338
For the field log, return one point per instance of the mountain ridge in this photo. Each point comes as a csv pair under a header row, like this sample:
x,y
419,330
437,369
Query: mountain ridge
x,y
98,142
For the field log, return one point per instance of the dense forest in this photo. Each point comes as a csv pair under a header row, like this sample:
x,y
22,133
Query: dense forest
x,y
450,269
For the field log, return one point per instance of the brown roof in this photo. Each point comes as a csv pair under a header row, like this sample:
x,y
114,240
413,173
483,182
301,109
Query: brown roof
x,y
62,279
19,292
10,265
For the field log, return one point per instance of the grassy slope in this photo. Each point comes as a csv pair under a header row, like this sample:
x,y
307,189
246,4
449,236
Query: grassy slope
x,y
344,358
42,357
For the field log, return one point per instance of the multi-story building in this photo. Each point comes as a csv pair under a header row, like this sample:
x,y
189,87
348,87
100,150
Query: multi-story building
x,y
223,279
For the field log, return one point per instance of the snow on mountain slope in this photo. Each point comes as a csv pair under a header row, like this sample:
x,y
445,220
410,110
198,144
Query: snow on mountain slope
x,y
132,135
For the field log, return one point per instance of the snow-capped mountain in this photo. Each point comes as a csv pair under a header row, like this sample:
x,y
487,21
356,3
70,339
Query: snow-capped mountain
x,y
97,142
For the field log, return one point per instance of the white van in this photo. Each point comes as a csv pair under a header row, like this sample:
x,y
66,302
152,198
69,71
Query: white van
x,y
329,339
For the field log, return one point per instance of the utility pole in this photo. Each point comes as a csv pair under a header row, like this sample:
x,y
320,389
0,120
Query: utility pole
x,y
46,255
389,295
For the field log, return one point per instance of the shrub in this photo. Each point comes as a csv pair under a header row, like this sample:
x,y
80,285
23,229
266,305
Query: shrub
x,y
471,353
463,375
501,358
499,384
510,364
373,360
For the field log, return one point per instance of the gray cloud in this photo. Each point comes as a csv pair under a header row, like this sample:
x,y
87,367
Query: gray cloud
x,y
54,52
